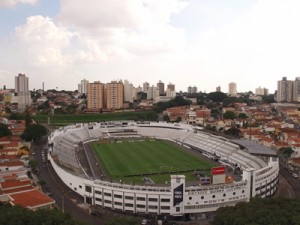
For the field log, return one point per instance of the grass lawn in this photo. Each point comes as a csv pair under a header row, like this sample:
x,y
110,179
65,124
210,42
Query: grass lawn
x,y
142,157
65,119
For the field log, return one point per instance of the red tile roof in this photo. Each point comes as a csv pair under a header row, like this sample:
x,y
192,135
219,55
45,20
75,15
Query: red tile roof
x,y
14,184
12,163
16,190
32,199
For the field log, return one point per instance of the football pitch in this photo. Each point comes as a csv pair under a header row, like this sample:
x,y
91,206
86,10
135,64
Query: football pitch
x,y
137,158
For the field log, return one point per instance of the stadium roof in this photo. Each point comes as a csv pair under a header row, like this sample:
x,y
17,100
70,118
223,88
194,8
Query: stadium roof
x,y
254,148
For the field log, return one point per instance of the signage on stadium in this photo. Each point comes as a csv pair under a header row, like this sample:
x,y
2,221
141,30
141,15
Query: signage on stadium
x,y
178,195
218,170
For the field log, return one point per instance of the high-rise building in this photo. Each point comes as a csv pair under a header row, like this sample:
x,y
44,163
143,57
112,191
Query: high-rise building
x,y
261,91
218,89
114,95
171,90
82,87
128,91
161,87
296,90
152,92
284,90
22,90
232,89
95,96
146,86
192,90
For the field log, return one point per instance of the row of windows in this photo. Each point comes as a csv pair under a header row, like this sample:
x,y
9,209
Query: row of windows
x,y
131,205
132,198
213,196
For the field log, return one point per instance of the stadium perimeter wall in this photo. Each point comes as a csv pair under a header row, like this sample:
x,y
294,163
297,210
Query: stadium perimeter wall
x,y
195,201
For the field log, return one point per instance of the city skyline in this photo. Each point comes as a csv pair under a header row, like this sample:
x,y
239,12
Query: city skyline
x,y
188,43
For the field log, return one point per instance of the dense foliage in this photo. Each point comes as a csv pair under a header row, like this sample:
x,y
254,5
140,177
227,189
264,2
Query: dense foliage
x,y
16,215
177,101
123,221
217,96
4,130
272,211
34,132
62,120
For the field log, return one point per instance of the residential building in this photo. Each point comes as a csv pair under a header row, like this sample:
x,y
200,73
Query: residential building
x,y
161,87
261,91
218,89
82,87
146,86
192,90
284,90
129,91
152,93
296,90
22,90
232,91
171,90
114,95
95,96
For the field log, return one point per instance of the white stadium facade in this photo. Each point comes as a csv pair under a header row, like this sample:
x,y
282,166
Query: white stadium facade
x,y
259,178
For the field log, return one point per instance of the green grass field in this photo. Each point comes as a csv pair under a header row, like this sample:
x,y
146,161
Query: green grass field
x,y
146,157
65,119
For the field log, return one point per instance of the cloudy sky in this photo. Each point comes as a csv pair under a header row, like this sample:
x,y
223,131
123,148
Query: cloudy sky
x,y
206,43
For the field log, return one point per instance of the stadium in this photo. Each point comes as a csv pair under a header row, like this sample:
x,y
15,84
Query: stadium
x,y
161,169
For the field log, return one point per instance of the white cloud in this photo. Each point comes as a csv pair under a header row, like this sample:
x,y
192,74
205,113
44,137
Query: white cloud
x,y
13,3
42,42
255,50
125,28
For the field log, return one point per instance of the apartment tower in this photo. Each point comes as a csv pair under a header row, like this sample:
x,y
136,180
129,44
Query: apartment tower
x,y
95,96
232,89
22,90
114,95
284,90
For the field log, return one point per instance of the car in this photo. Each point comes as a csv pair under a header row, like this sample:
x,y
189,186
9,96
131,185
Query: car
x,y
144,222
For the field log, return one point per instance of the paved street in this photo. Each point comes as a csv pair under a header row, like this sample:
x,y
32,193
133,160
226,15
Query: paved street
x,y
65,199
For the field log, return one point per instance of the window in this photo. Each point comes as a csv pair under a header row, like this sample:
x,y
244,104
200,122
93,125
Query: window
x,y
129,197
165,207
128,205
152,199
98,199
140,206
98,192
165,200
107,194
80,186
88,189
118,203
152,207
140,198
107,201
117,196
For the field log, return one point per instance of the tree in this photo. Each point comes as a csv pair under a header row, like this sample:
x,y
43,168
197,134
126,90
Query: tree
x,y
217,96
242,116
233,132
286,152
34,132
123,221
27,117
4,131
260,212
13,215
229,115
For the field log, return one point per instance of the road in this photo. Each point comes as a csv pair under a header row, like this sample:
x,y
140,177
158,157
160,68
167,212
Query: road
x,y
69,201
292,181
